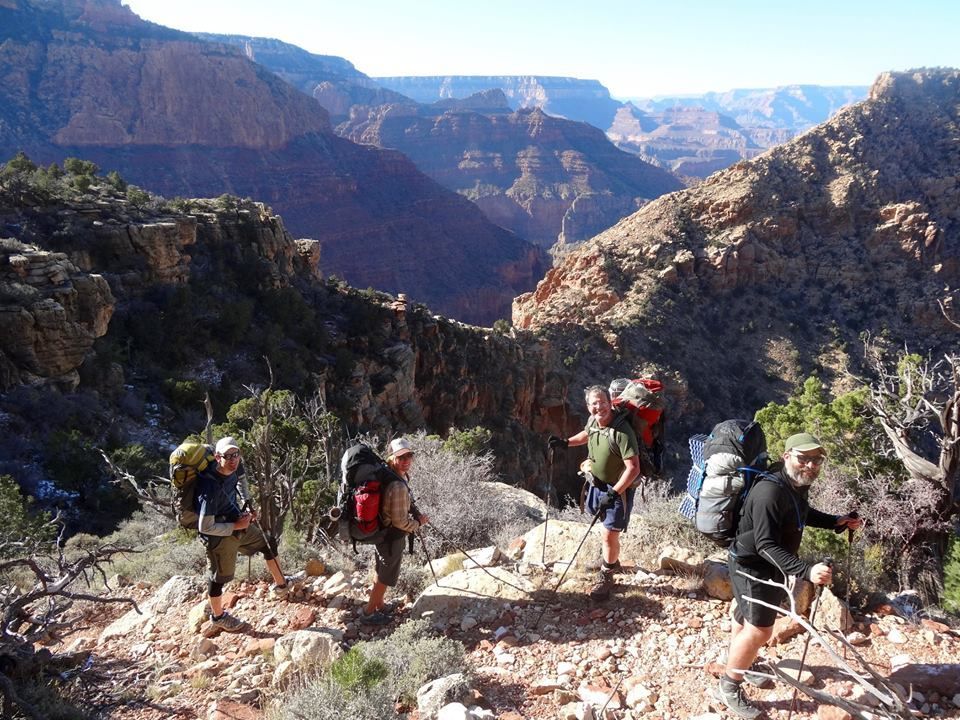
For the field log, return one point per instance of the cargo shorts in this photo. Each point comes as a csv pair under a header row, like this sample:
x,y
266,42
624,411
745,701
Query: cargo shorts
x,y
222,552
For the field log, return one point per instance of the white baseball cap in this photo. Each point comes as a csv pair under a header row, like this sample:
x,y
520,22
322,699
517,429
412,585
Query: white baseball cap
x,y
226,443
399,447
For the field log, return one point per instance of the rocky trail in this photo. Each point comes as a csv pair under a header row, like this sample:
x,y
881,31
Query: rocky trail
x,y
653,650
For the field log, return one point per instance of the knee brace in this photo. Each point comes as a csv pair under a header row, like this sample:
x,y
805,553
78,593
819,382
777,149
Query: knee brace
x,y
215,589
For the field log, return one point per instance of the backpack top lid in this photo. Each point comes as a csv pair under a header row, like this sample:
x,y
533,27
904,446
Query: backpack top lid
x,y
744,438
636,394
360,464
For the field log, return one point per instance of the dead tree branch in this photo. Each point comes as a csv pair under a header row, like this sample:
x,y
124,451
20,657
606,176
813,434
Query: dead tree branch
x,y
891,705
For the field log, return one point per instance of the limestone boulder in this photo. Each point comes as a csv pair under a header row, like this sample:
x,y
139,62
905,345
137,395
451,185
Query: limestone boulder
x,y
175,591
479,592
312,647
562,539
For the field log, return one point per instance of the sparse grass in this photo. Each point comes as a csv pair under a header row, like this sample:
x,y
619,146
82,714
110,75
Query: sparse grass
x,y
200,681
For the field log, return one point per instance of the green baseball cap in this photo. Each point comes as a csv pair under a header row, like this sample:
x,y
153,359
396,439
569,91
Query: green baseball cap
x,y
803,442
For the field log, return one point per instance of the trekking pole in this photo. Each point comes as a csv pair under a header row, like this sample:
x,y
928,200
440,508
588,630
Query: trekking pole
x,y
546,517
433,572
570,564
481,567
828,561
846,600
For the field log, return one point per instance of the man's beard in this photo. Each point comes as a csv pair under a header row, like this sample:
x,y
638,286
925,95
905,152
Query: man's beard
x,y
796,476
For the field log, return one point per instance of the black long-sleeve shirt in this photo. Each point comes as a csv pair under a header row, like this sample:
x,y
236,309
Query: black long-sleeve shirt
x,y
771,525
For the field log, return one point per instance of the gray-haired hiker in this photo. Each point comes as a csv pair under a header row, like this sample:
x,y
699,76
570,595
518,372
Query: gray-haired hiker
x,y
768,537
225,529
401,516
614,465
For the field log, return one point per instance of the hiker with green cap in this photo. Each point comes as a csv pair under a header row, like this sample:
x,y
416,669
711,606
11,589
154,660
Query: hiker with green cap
x,y
771,525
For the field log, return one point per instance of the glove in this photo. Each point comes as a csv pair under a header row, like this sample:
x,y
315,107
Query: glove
x,y
558,442
608,499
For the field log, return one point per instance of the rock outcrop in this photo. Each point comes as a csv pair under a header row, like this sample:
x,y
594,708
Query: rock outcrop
x,y
208,291
51,313
760,275
184,117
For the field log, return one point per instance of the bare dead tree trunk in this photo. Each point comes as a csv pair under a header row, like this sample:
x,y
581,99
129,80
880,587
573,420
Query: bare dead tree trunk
x,y
908,403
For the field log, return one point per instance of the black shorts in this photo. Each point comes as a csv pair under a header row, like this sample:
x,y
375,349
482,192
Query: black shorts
x,y
743,587
388,554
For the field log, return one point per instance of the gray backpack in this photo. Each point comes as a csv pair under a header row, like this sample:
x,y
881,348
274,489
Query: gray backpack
x,y
726,463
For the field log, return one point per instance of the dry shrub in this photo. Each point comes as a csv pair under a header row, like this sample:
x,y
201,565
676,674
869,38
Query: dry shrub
x,y
455,491
656,524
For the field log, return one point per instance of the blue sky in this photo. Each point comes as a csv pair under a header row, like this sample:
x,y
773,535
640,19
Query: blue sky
x,y
635,48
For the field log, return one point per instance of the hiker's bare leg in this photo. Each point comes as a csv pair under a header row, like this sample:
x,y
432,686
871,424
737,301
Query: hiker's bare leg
x,y
611,545
216,605
274,567
375,602
745,642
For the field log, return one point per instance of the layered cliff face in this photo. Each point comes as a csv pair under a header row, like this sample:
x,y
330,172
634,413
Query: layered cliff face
x,y
181,116
776,267
332,81
547,179
693,136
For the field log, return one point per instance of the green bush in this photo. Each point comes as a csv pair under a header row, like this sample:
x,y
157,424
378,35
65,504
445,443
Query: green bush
x,y
355,673
22,527
468,442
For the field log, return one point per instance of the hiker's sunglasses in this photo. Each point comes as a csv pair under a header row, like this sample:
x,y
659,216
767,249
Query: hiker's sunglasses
x,y
231,455
815,460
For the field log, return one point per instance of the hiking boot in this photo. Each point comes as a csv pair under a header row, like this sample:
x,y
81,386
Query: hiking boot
x,y
227,622
603,586
731,695
753,677
377,617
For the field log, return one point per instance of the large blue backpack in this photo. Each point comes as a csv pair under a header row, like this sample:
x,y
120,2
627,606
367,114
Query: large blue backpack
x,y
725,465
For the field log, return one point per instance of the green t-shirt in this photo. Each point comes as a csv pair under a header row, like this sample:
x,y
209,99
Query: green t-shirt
x,y
606,463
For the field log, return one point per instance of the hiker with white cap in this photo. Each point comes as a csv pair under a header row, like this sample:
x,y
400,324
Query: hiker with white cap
x,y
222,502
772,520
400,514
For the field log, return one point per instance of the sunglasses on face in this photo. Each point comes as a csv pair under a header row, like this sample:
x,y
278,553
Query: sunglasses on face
x,y
235,455
815,460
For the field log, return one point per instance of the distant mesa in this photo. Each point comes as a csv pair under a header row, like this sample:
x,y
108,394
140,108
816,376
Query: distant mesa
x,y
692,136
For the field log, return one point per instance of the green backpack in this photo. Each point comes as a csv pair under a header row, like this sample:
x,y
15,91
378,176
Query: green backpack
x,y
186,461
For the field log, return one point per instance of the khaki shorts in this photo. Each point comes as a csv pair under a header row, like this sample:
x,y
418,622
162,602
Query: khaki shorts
x,y
222,552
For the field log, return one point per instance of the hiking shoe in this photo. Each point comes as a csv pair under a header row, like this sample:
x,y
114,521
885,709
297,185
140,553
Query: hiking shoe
x,y
227,622
377,617
603,586
753,677
391,607
733,699
280,592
